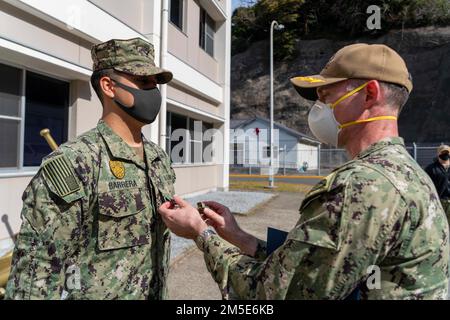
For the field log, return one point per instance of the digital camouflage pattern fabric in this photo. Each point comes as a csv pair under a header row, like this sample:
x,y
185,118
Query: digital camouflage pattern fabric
x,y
89,232
446,206
134,56
380,209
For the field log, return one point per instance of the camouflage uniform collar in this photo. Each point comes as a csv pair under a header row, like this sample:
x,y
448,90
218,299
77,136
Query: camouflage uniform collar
x,y
386,142
118,148
150,151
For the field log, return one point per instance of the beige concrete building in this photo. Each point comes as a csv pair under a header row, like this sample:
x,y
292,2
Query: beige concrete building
x,y
45,66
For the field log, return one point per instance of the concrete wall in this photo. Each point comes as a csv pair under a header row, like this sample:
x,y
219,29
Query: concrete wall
x,y
85,109
11,202
192,178
182,95
134,13
30,31
184,44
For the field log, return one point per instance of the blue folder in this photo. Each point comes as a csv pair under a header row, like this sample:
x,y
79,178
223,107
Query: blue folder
x,y
275,238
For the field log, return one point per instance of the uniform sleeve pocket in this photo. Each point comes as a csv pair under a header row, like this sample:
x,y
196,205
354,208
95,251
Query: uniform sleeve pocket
x,y
321,221
124,219
315,234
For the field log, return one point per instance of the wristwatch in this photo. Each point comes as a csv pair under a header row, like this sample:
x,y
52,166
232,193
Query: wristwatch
x,y
202,237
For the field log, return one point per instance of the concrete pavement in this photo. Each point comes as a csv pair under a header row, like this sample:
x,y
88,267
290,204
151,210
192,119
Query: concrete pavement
x,y
293,180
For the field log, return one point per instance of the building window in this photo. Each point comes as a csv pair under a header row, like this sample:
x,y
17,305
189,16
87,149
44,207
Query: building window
x,y
10,115
266,152
237,153
208,142
207,30
195,136
47,102
189,140
30,102
176,13
177,137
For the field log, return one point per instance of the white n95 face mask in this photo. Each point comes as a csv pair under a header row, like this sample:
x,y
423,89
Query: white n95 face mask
x,y
323,124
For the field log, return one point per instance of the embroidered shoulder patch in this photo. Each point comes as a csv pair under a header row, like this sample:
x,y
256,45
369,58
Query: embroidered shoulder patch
x,y
60,174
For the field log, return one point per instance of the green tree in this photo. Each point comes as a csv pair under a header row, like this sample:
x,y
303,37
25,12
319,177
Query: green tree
x,y
325,19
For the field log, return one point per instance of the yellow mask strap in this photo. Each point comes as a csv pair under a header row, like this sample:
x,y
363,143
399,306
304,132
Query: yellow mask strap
x,y
367,120
348,94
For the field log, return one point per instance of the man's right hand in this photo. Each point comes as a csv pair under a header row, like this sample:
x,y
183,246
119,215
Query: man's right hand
x,y
222,220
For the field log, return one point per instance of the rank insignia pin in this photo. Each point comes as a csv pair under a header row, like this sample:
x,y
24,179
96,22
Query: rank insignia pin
x,y
117,169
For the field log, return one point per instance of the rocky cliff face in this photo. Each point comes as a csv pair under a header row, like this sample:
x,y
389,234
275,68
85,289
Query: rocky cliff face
x,y
425,118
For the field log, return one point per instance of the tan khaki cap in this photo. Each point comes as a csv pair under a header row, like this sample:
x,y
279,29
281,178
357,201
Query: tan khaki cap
x,y
357,61
443,148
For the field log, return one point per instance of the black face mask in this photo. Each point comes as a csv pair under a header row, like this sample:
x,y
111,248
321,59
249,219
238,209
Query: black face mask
x,y
146,103
444,156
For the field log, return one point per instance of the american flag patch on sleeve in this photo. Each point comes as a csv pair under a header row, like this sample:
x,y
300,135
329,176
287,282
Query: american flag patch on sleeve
x,y
61,176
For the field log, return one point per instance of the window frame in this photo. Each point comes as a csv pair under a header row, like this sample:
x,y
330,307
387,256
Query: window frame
x,y
189,140
203,32
267,150
21,121
181,13
192,140
20,170
238,153
210,125
186,139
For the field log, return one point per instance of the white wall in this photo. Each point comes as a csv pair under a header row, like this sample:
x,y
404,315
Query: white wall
x,y
309,154
253,142
289,157
11,203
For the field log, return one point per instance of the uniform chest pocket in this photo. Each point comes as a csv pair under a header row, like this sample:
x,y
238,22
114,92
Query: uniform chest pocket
x,y
124,219
162,181
164,192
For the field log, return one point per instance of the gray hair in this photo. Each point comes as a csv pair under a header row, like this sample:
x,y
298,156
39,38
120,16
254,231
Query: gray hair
x,y
395,95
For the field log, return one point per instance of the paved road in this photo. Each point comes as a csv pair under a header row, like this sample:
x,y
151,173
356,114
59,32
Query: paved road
x,y
189,279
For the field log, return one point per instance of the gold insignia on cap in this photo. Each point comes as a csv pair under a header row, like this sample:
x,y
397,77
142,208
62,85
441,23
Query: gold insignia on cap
x,y
117,169
309,79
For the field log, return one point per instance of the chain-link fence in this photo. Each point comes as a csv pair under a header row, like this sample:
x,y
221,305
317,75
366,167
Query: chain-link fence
x,y
317,161
424,154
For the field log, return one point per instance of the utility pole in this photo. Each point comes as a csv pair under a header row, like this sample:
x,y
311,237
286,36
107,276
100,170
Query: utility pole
x,y
274,25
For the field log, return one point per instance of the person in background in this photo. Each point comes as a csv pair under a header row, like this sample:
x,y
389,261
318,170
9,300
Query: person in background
x,y
440,174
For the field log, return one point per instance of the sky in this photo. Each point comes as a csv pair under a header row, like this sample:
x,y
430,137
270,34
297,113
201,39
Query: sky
x,y
235,4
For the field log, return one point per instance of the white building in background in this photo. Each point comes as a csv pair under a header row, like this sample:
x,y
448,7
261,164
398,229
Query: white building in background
x,y
45,66
249,145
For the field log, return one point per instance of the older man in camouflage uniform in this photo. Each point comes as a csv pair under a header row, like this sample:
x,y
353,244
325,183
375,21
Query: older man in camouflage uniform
x,y
90,228
374,223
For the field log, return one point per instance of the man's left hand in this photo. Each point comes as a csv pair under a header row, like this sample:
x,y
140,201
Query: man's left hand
x,y
185,221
